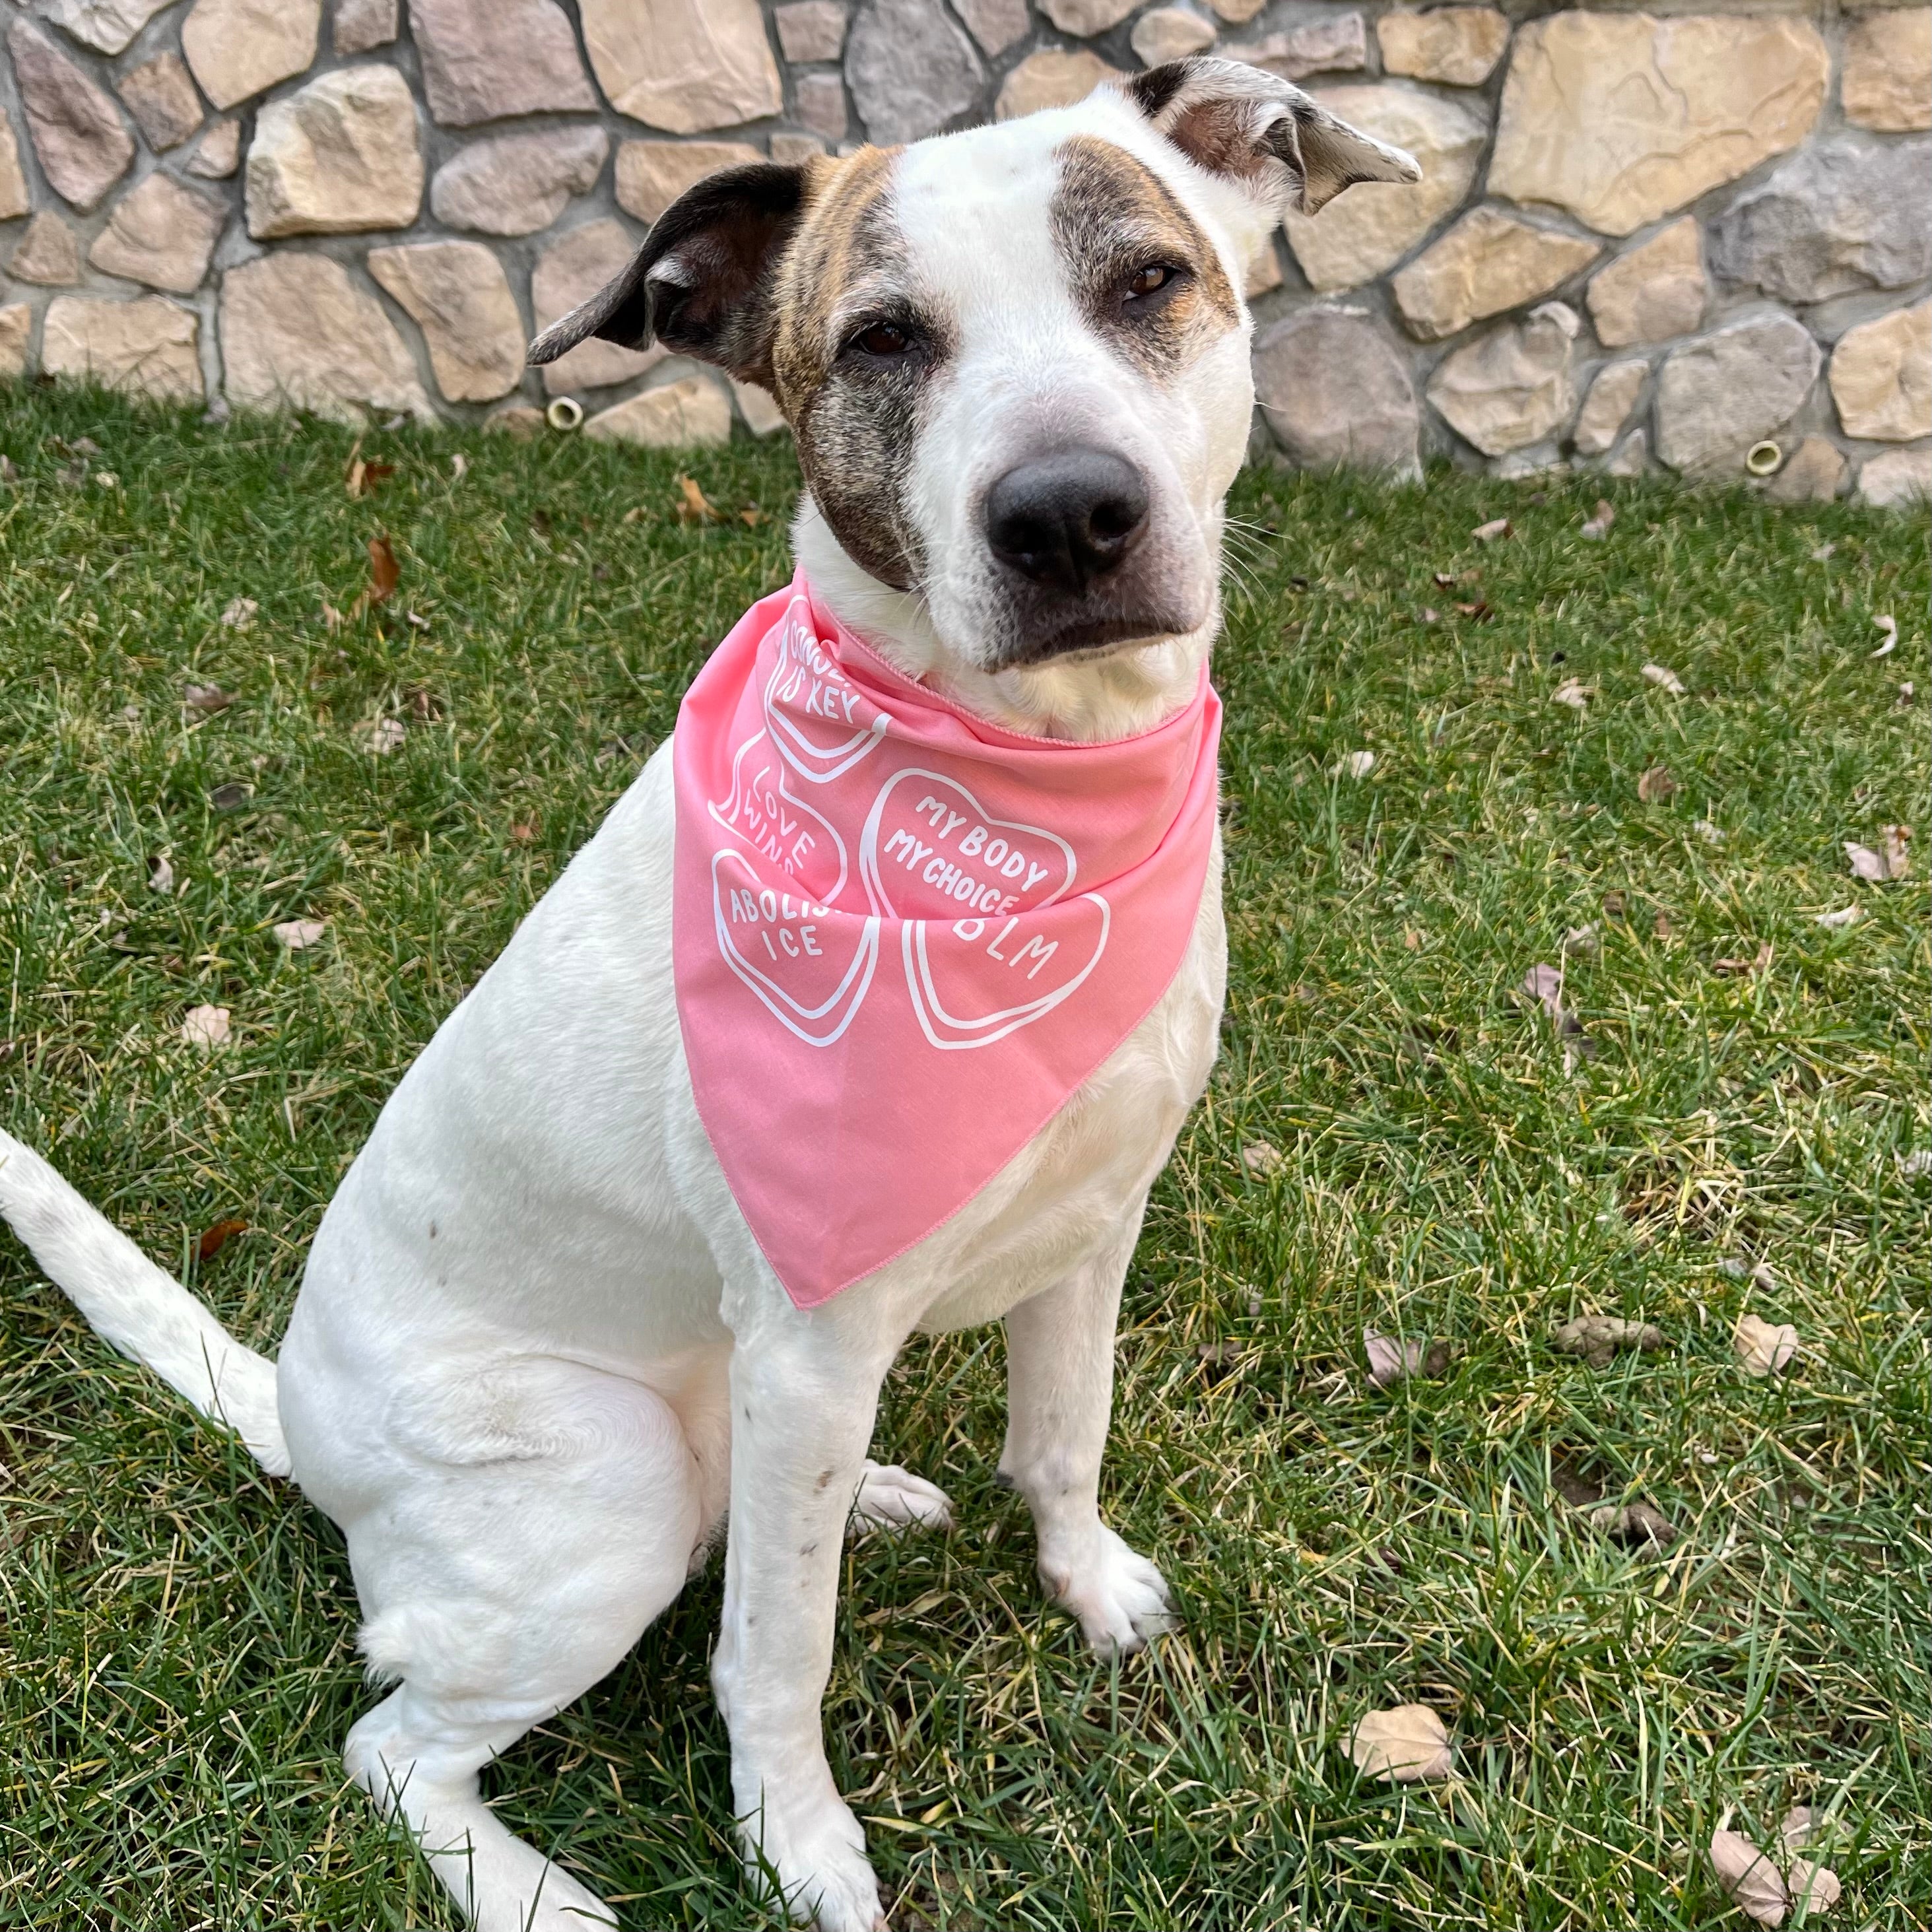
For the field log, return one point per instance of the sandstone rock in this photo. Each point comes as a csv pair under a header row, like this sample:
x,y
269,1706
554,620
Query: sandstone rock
x,y
82,147
1832,220
794,150
518,421
1167,33
516,184
684,65
48,253
674,415
482,61
238,47
1513,387
16,329
1085,18
1336,45
761,413
337,157
297,333
1900,479
1655,291
821,99
107,24
1672,107
1263,272
1051,78
1716,396
1369,229
162,99
996,24
651,175
1887,82
1238,11
456,293
571,271
1488,262
147,347
1335,392
1606,408
14,198
1632,458
1457,46
1814,474
218,152
910,69
160,233
1881,376
810,30
360,25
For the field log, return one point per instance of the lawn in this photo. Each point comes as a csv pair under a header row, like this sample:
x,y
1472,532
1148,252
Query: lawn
x,y
176,1630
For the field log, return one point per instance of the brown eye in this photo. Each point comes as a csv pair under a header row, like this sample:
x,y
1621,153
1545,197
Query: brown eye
x,y
884,339
1150,280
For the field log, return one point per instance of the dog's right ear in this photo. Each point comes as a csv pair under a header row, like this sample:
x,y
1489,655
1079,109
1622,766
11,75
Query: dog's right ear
x,y
702,283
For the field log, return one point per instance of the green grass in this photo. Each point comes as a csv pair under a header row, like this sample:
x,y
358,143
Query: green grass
x,y
176,1669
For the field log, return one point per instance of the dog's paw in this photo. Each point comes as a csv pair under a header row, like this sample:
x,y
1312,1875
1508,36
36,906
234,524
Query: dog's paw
x,y
892,1498
819,1860
1120,1598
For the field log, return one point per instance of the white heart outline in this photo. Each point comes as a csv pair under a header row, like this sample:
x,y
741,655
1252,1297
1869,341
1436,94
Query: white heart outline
x,y
774,996
874,882
846,755
912,940
718,808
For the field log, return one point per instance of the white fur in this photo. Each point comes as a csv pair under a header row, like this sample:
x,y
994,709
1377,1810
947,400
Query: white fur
x,y
537,1356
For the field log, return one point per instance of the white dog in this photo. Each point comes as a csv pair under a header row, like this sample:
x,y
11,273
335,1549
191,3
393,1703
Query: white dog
x,y
538,1356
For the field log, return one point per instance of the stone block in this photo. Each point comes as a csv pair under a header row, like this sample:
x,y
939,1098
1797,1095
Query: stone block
x,y
1654,292
1085,18
16,330
1513,387
1900,479
15,200
108,26
683,65
758,407
1717,396
238,47
338,157
1164,34
1814,474
160,96
483,59
1881,376
1335,43
296,333
146,347
651,175
218,153
1455,47
1672,107
1632,457
821,104
48,253
77,131
910,69
161,233
517,184
794,151
360,25
571,271
1051,78
455,292
1337,393
997,25
810,30
1237,12
1489,262
1366,231
683,415
1613,395
1887,80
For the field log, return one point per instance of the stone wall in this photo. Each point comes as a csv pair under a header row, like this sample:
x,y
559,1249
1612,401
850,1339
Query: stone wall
x,y
1641,239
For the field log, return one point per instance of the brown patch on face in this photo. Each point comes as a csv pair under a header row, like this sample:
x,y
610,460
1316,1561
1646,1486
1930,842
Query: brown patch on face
x,y
1114,219
855,416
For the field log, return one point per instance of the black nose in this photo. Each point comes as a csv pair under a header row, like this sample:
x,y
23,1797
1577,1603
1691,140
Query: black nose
x,y
1065,519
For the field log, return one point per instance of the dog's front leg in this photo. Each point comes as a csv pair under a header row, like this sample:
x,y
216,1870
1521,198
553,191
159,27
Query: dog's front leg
x,y
805,1391
1059,1395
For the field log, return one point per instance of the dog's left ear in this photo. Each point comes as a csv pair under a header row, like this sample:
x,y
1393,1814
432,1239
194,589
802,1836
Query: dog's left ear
x,y
1236,120
701,283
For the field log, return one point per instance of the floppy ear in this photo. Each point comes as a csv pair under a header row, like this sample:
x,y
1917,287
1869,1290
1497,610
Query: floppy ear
x,y
1238,120
701,283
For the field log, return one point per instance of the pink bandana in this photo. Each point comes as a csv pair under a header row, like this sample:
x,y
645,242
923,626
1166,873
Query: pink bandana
x,y
902,937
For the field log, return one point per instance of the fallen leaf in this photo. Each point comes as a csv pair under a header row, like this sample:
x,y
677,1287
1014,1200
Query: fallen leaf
x,y
231,797
1573,692
1912,1165
1614,904
331,618
1498,526
1443,579
363,477
217,1238
1656,784
1405,1745
1738,1269
207,699
1895,838
751,517
1660,925
1866,864
1429,615
1391,1361
161,873
1712,835
1664,679
459,466
415,620
1636,1525
1759,963
524,830
1763,1348
385,573
1356,765
105,479
296,933
1544,985
1763,1894
206,1027
379,737
1599,1339
1888,628
1824,553
1599,525
9,475
1218,1358
1258,1157
239,613
1580,941
696,507
1480,612
1837,921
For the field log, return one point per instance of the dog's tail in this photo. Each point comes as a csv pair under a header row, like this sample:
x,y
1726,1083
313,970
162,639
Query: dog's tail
x,y
144,1312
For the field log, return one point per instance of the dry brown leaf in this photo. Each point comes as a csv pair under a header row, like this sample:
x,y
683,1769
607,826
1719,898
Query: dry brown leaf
x,y
206,1027
1752,1881
1258,1157
1888,628
295,935
1711,834
1405,1745
695,507
1391,1361
1637,1526
459,466
1758,962
1664,678
1489,532
1356,765
1656,784
1580,941
239,613
1911,1166
231,797
379,737
1614,904
363,477
1837,921
217,1238
1763,1348
1599,1338
1599,525
1660,925
207,699
524,830
385,573
1573,692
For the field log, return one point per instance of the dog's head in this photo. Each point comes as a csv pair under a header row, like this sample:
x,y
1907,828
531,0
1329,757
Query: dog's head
x,y
1014,359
